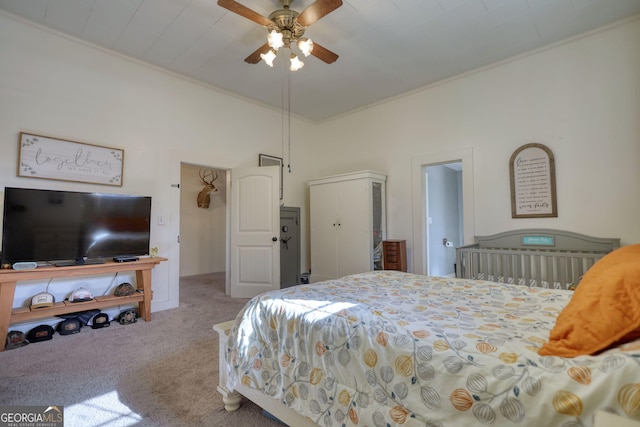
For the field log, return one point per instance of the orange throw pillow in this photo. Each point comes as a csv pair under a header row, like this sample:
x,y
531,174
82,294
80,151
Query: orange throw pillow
x,y
604,310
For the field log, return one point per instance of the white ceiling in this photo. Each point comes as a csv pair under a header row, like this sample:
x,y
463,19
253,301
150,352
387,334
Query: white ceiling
x,y
386,47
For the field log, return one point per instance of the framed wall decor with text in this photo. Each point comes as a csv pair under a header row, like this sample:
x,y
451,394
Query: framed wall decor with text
x,y
533,182
60,159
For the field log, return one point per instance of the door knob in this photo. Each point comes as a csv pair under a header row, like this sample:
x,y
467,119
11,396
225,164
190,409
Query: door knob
x,y
275,239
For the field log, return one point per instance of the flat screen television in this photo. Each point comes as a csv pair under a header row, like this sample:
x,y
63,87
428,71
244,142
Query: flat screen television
x,y
66,228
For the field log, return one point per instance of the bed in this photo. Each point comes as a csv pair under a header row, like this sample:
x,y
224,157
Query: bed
x,y
532,257
389,348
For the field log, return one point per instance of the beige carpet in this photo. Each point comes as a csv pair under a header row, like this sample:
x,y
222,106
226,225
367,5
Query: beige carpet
x,y
158,373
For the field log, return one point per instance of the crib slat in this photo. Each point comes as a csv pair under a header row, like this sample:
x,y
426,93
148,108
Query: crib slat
x,y
485,265
538,273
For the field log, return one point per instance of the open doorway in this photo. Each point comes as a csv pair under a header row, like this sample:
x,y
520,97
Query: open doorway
x,y
464,217
203,221
443,217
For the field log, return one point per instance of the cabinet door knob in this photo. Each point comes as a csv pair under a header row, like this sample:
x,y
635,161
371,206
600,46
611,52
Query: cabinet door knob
x,y
274,239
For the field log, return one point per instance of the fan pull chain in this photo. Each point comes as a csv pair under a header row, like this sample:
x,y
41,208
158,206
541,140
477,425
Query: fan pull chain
x,y
286,119
289,118
284,71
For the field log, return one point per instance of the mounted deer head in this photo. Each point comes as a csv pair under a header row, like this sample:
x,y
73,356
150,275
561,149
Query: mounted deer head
x,y
207,177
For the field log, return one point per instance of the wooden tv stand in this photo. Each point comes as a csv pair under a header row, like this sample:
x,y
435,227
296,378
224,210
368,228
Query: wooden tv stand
x,y
9,279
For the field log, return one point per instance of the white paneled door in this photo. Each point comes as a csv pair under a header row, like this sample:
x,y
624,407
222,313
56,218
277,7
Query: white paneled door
x,y
255,231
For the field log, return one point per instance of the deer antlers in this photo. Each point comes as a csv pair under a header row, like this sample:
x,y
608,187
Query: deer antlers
x,y
207,177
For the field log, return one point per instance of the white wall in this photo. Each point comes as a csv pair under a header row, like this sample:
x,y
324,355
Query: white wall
x,y
581,99
57,86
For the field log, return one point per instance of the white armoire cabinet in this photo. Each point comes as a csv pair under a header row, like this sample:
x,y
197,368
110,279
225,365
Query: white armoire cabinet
x,y
348,224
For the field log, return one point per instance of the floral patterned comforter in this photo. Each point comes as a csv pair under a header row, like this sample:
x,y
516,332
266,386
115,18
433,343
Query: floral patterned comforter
x,y
392,348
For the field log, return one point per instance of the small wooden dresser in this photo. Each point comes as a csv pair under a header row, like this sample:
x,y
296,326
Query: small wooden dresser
x,y
394,254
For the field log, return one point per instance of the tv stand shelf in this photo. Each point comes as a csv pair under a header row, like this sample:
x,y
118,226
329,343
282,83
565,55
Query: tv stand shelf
x,y
9,279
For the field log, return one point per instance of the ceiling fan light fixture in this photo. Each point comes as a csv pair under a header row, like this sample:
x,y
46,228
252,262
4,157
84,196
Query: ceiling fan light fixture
x,y
275,39
306,46
296,64
268,57
286,27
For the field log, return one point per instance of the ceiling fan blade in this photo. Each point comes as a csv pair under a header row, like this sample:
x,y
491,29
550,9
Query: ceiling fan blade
x,y
323,53
254,58
317,10
244,11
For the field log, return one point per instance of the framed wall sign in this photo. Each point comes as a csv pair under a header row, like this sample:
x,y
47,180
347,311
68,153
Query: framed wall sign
x,y
533,182
53,158
266,160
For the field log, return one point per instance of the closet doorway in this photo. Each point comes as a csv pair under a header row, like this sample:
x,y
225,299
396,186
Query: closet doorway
x,y
202,222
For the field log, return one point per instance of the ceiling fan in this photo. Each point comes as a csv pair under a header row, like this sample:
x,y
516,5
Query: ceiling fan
x,y
286,27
